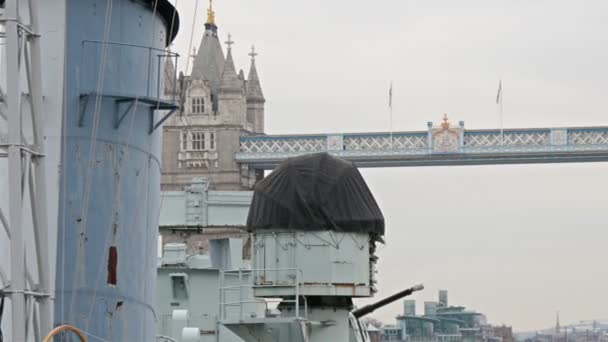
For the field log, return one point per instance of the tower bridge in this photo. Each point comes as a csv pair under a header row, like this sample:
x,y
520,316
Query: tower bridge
x,y
219,132
440,145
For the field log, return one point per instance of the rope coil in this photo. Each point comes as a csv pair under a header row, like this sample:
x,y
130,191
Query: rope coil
x,y
62,328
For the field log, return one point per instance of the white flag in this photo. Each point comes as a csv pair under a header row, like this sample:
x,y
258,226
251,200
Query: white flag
x,y
390,96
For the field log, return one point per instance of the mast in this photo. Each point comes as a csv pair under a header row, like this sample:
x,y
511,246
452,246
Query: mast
x,y
26,173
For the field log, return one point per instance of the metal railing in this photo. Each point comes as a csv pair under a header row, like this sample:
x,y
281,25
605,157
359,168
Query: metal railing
x,y
421,141
124,57
433,338
245,282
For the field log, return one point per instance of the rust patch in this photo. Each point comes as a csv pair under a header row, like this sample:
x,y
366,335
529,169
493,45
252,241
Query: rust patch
x,y
112,265
350,286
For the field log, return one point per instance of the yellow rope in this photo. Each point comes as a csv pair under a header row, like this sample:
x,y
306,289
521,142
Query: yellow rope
x,y
61,328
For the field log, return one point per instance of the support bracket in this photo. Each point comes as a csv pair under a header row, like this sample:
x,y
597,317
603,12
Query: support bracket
x,y
84,101
163,119
153,104
119,117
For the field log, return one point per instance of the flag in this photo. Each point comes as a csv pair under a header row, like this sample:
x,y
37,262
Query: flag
x,y
499,95
390,96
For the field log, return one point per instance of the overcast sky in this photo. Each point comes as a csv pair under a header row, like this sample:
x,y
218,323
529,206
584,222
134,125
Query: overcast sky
x,y
514,242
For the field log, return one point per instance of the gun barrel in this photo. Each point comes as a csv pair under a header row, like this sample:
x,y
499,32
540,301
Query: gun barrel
x,y
372,307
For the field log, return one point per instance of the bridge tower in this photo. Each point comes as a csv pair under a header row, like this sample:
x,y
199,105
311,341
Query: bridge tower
x,y
218,106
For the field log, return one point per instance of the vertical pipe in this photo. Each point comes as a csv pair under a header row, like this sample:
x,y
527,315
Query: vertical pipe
x,y
13,49
175,78
297,294
149,71
241,294
158,71
221,310
40,228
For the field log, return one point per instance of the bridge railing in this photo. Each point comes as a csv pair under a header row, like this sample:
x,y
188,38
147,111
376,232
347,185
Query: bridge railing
x,y
508,138
283,144
588,136
417,141
399,141
333,142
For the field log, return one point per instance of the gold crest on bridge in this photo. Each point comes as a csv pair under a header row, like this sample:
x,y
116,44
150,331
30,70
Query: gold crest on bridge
x,y
446,138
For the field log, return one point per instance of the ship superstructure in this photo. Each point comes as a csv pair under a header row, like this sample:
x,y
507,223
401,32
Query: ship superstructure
x,y
315,226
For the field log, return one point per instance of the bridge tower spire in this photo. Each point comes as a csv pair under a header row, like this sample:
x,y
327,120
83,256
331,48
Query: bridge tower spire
x,y
210,14
209,60
255,96
230,80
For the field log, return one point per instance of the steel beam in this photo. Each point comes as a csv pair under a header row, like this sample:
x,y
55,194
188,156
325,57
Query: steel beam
x,y
458,159
30,301
4,223
38,184
13,101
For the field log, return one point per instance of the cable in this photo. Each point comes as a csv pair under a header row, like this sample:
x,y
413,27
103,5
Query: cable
x,y
1,312
191,38
61,328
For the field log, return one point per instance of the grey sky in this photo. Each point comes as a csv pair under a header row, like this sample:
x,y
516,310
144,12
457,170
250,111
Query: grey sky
x,y
515,242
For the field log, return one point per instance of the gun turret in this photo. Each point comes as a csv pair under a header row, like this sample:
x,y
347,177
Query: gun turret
x,y
372,307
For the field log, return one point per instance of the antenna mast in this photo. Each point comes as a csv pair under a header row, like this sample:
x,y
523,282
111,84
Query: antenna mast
x,y
24,148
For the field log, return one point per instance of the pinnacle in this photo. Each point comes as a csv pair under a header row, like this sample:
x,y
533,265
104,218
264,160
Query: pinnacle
x,y
254,89
230,80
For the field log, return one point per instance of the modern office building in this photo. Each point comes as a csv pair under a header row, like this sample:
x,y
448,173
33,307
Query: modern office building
x,y
443,323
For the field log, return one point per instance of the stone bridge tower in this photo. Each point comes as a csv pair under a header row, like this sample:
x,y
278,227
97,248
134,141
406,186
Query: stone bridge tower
x,y
217,106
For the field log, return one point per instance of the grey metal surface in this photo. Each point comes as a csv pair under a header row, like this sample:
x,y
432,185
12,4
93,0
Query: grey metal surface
x,y
110,192
29,282
196,293
326,263
15,173
197,206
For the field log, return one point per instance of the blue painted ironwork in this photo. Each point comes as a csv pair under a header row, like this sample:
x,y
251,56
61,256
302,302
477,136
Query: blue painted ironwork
x,y
470,147
110,166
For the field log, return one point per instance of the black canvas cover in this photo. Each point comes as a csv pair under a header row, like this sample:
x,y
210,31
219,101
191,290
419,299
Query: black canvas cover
x,y
315,192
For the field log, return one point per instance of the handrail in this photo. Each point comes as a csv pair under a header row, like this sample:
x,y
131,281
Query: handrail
x,y
240,273
62,328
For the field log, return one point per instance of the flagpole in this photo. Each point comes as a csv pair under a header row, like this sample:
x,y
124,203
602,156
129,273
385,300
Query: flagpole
x,y
500,109
390,120
502,136
391,125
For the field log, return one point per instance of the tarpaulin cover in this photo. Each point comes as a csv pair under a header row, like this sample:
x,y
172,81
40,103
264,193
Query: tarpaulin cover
x,y
315,192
